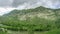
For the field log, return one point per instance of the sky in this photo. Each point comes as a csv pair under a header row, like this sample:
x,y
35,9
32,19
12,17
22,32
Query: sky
x,y
8,5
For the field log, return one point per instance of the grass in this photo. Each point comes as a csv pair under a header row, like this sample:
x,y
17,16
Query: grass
x,y
55,31
3,32
26,32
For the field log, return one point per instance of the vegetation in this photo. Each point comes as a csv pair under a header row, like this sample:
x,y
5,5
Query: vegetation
x,y
56,31
38,19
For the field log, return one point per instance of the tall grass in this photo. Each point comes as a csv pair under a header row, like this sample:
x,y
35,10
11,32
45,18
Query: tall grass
x,y
55,31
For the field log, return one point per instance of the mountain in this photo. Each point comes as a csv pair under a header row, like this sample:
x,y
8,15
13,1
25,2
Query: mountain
x,y
41,12
41,18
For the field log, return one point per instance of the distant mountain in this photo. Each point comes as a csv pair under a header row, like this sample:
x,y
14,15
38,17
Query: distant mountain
x,y
40,18
41,12
27,14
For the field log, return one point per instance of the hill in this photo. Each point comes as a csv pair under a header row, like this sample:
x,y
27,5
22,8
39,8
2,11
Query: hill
x,y
41,12
39,18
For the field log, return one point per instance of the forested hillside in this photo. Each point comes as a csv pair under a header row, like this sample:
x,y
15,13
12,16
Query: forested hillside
x,y
38,19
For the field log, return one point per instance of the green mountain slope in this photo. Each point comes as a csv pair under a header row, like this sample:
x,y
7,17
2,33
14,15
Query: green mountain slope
x,y
40,18
41,12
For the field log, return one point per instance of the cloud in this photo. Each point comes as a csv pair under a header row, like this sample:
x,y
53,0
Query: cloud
x,y
7,5
51,3
16,3
5,10
54,4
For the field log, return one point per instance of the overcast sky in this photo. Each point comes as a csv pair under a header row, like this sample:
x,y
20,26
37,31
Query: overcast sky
x,y
8,5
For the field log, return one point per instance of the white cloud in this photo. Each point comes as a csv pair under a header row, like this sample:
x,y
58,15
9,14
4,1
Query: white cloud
x,y
51,3
5,10
31,4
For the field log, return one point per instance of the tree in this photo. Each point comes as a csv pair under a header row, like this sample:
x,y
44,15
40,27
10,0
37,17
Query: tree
x,y
57,22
